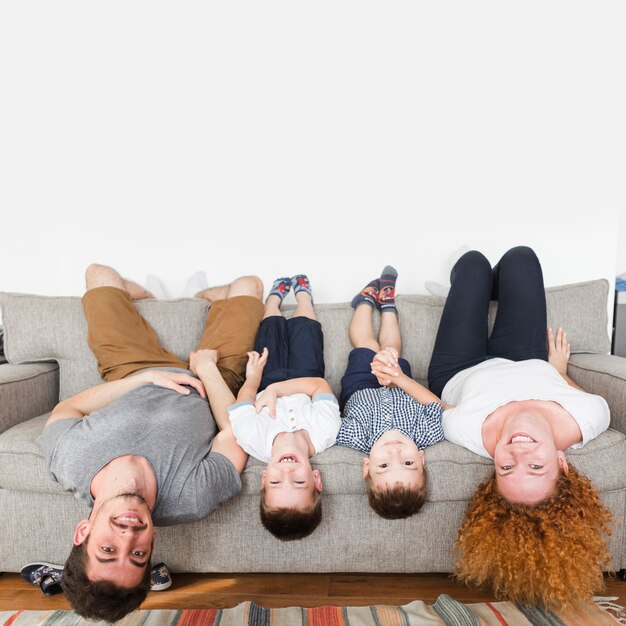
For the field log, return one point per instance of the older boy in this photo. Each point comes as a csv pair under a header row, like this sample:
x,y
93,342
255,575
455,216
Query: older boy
x,y
386,413
294,417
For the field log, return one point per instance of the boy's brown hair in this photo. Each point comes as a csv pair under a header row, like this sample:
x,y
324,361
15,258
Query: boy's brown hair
x,y
99,600
290,524
396,502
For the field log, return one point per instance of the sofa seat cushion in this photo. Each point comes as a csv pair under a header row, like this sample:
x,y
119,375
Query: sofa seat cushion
x,y
453,472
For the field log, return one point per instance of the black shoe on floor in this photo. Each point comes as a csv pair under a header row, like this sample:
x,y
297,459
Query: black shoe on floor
x,y
160,578
46,576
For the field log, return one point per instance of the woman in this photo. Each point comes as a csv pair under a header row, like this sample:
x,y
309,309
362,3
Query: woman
x,y
510,399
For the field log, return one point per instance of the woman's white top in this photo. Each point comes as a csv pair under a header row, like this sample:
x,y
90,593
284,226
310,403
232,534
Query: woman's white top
x,y
478,391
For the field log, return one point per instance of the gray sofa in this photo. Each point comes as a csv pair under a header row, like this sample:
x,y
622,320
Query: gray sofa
x,y
46,346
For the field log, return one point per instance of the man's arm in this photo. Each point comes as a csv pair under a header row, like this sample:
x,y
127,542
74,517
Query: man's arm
x,y
559,351
203,363
225,443
97,397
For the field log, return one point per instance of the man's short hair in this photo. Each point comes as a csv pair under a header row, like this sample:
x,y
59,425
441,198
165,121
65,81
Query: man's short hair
x,y
289,523
101,600
396,502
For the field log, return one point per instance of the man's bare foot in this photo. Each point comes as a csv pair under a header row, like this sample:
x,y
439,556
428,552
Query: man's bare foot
x,y
214,293
137,292
559,350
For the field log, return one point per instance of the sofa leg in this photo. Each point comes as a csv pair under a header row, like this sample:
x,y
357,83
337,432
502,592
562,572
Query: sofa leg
x,y
622,574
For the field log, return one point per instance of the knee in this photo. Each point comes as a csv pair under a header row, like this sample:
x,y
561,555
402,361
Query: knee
x,y
94,273
521,256
248,286
97,275
472,262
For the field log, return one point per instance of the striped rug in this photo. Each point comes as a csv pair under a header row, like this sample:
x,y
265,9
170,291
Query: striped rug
x,y
444,612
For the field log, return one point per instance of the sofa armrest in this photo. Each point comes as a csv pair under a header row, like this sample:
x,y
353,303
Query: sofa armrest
x,y
604,375
27,390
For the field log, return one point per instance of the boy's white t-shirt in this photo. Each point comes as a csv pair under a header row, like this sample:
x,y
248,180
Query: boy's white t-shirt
x,y
479,390
255,432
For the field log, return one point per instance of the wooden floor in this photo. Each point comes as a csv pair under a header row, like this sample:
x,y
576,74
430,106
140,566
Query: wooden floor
x,y
195,591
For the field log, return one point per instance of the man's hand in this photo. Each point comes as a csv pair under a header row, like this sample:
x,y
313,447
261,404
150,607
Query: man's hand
x,y
558,350
267,399
200,358
256,364
174,381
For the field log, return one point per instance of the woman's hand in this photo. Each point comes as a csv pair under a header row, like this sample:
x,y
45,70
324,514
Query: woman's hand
x,y
558,350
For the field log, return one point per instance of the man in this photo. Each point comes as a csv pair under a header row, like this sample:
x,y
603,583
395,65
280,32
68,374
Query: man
x,y
143,447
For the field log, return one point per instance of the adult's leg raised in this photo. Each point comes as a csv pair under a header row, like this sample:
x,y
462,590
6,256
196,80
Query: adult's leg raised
x,y
122,341
231,328
519,330
461,340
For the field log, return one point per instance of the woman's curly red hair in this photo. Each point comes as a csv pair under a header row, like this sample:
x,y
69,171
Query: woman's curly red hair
x,y
551,554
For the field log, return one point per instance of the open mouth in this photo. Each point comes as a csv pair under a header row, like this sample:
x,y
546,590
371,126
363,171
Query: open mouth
x,y
287,458
128,519
521,438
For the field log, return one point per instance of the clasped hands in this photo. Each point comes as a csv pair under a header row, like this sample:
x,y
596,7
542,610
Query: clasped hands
x,y
385,366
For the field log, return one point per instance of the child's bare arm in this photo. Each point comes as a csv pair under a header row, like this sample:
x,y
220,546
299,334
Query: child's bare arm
x,y
417,390
309,386
389,373
254,372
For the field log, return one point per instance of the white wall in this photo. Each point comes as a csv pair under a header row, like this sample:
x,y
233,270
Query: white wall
x,y
329,138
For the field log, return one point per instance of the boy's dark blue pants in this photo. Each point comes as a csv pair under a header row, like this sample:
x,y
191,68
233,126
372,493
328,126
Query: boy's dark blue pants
x,y
296,348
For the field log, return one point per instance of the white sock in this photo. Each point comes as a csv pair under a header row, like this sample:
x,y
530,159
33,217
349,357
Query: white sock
x,y
197,282
156,287
437,289
457,255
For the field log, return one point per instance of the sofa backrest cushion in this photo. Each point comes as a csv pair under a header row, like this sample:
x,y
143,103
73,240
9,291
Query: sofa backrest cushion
x,y
45,328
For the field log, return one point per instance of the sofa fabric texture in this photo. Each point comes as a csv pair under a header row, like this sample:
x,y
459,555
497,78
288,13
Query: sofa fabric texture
x,y
49,359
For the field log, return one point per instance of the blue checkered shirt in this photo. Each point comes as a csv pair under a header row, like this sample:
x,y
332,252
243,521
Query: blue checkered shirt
x,y
371,412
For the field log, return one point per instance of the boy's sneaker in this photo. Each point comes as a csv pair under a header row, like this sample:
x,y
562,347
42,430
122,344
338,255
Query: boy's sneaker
x,y
46,576
160,578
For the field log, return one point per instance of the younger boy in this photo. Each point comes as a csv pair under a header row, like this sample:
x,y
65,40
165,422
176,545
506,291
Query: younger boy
x,y
294,417
386,413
